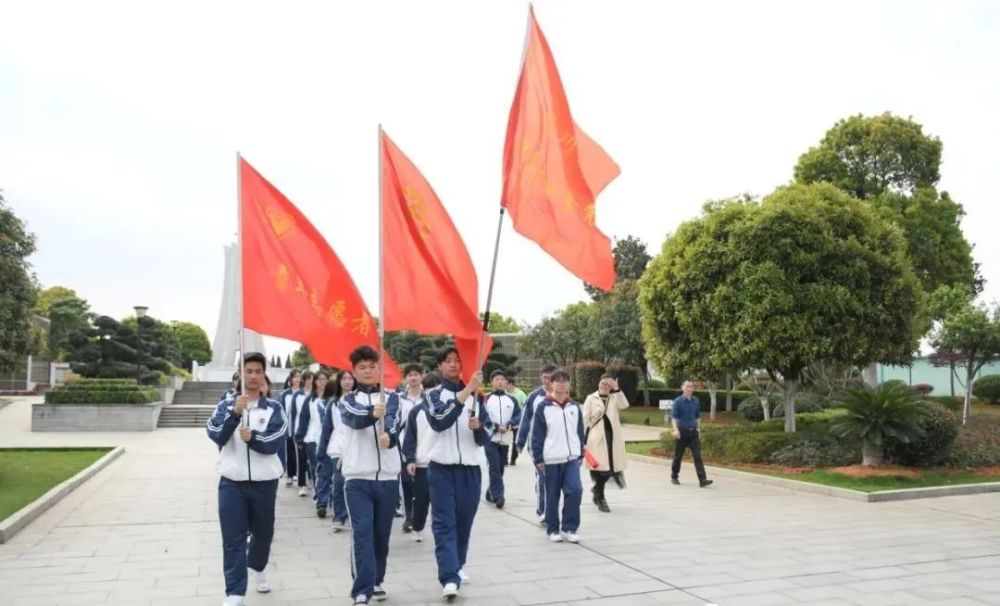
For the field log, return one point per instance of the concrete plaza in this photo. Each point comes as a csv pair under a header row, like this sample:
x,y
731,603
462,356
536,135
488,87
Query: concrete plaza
x,y
144,532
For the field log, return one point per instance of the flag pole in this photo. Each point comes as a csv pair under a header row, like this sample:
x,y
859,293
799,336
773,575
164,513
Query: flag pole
x,y
239,278
481,361
381,285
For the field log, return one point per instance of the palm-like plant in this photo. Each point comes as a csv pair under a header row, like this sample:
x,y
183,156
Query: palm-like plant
x,y
875,414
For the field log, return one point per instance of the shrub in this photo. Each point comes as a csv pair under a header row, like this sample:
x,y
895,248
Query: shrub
x,y
939,426
134,396
923,388
743,444
652,384
814,451
750,407
655,395
987,388
977,443
895,383
588,375
807,406
874,415
812,400
628,380
952,404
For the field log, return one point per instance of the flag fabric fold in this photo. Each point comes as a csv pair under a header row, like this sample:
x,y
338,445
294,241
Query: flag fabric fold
x,y
553,171
294,285
432,286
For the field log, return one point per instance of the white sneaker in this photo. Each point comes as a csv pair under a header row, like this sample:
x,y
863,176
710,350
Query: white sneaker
x,y
555,538
288,481
572,537
260,582
234,600
379,593
450,590
541,519
303,492
462,575
418,536
360,600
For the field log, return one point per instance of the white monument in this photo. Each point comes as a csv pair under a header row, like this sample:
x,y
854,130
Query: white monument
x,y
226,347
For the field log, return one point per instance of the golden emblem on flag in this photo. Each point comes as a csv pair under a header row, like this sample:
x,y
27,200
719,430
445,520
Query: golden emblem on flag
x,y
417,207
281,278
281,222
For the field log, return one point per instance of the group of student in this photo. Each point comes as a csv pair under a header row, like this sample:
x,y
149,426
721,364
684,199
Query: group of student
x,y
373,454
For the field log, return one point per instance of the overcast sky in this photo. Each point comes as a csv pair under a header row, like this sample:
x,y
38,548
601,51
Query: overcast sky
x,y
119,122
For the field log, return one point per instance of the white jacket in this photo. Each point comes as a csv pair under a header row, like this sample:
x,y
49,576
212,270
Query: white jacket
x,y
503,410
361,456
455,443
557,432
419,439
256,460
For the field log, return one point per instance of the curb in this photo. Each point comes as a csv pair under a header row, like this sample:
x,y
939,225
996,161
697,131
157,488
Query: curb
x,y
24,516
884,496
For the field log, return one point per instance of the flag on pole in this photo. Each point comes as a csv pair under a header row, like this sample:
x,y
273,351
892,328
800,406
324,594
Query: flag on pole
x,y
433,285
294,285
553,171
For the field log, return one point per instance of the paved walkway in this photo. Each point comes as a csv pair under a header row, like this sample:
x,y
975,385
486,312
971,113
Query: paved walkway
x,y
144,532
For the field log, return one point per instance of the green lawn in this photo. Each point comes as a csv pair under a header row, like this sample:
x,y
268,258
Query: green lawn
x,y
26,475
839,480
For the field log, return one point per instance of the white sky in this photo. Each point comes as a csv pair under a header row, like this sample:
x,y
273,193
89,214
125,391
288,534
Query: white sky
x,y
119,122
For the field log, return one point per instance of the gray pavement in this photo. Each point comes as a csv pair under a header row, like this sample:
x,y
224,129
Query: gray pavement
x,y
145,532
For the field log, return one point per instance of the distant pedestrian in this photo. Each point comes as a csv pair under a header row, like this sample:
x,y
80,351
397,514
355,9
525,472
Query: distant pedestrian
x,y
605,437
686,421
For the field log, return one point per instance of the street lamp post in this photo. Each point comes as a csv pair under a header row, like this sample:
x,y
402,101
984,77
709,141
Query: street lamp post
x,y
140,313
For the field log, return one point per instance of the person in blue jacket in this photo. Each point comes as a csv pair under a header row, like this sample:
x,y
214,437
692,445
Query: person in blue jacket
x,y
505,413
331,445
524,435
403,402
249,431
557,441
416,445
463,427
310,425
370,463
286,398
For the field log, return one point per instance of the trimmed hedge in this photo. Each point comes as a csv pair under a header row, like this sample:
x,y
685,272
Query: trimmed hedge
x,y
977,443
987,388
135,396
940,427
752,410
588,376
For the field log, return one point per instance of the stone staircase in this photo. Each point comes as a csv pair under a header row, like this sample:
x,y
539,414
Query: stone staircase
x,y
193,405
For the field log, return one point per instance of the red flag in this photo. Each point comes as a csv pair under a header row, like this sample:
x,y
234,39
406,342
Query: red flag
x,y
294,286
433,286
553,170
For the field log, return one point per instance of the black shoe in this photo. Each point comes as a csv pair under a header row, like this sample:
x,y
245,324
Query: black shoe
x,y
675,481
705,483
499,503
407,526
321,512
597,499
488,498
603,506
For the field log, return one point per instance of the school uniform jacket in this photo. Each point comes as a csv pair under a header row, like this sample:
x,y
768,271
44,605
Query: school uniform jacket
x,y
419,438
310,423
362,458
455,443
256,460
527,418
503,410
557,432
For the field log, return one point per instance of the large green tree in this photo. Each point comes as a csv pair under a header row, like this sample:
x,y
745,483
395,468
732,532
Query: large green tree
x,y
501,324
564,338
810,274
889,162
194,344
18,291
616,327
156,339
113,349
631,258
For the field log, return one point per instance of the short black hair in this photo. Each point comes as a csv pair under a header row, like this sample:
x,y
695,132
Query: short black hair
x,y
498,373
607,375
364,353
431,380
413,367
560,374
306,375
549,369
447,351
255,356
236,376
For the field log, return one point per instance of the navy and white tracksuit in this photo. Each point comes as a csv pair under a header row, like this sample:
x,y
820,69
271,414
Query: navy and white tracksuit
x,y
248,482
557,440
403,404
308,430
417,444
295,456
371,476
504,411
524,441
331,443
453,475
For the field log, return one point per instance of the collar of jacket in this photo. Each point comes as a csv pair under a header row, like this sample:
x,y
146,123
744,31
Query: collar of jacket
x,y
367,388
499,392
455,386
557,402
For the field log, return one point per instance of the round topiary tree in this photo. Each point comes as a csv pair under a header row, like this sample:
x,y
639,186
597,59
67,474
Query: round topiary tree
x,y
987,388
939,427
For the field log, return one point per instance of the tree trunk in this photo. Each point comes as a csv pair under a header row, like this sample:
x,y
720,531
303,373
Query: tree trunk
x,y
871,454
729,392
870,375
713,391
766,406
951,376
970,376
791,388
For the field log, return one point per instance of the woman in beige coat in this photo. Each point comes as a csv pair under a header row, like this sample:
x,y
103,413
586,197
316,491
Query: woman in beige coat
x,y
605,438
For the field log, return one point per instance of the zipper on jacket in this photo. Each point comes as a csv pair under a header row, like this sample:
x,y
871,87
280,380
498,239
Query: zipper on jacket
x,y
458,442
247,446
378,447
569,451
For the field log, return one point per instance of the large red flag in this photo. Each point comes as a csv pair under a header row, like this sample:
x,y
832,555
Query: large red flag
x,y
294,286
553,170
433,287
